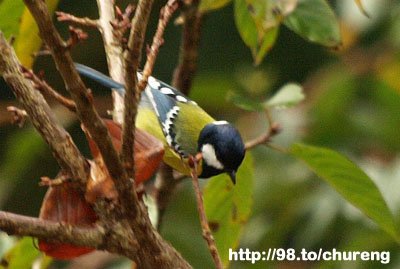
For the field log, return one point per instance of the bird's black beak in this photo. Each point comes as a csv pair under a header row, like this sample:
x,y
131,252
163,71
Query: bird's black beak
x,y
232,175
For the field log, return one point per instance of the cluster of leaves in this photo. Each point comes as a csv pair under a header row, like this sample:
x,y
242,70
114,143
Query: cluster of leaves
x,y
19,23
258,22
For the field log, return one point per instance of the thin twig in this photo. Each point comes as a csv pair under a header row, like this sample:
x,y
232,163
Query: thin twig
x,y
187,66
66,17
45,88
50,230
274,129
18,116
76,36
158,40
122,23
202,215
61,178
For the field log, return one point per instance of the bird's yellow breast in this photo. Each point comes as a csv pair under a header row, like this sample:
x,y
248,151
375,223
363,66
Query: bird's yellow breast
x,y
147,120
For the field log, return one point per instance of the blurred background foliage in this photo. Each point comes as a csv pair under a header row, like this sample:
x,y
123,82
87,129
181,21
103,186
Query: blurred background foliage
x,y
352,105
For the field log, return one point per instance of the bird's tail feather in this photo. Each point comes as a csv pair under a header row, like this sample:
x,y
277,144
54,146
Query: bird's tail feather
x,y
100,78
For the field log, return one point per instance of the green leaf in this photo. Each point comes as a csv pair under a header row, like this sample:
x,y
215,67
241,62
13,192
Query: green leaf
x,y
350,181
22,255
289,95
15,20
208,5
10,15
245,23
244,102
315,21
257,30
228,206
267,40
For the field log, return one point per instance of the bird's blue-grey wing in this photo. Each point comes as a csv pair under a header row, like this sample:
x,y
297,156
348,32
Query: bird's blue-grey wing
x,y
168,90
167,110
158,95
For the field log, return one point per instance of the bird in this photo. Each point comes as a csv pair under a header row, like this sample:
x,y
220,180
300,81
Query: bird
x,y
183,126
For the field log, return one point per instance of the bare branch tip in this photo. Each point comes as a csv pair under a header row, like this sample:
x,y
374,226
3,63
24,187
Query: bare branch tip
x,y
18,116
76,35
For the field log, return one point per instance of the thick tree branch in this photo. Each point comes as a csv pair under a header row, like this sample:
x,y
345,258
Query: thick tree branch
x,y
182,80
132,94
82,98
113,51
151,242
64,150
127,228
162,254
51,231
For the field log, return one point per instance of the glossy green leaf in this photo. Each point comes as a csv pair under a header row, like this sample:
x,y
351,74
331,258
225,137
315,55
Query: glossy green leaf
x,y
257,30
245,23
350,181
22,255
208,5
228,206
315,21
289,95
16,21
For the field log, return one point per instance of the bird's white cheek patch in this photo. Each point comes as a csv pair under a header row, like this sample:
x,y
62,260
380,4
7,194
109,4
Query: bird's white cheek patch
x,y
209,156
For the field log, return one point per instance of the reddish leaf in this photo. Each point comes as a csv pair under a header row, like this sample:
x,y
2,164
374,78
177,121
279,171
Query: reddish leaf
x,y
64,203
149,150
100,184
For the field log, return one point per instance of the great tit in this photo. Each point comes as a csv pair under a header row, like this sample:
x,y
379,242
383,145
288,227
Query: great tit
x,y
184,127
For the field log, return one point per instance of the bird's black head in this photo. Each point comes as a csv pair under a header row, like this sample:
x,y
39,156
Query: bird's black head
x,y
222,149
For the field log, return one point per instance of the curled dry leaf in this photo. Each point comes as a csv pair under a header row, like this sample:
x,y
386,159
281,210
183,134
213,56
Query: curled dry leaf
x,y
149,152
100,184
66,204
